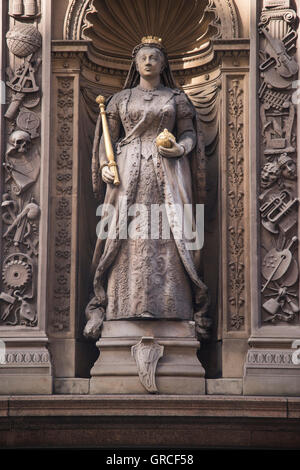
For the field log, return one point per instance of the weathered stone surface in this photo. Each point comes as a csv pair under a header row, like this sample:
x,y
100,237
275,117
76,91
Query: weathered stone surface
x,y
149,405
72,386
271,372
146,421
224,386
22,384
3,406
233,357
294,408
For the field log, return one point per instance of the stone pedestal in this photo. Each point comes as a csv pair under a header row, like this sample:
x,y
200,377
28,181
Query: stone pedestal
x,y
25,367
178,370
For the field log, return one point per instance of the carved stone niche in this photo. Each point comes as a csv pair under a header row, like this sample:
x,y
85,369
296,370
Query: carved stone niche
x,y
210,62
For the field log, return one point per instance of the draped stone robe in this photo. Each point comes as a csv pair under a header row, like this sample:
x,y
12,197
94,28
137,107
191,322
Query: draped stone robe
x,y
147,278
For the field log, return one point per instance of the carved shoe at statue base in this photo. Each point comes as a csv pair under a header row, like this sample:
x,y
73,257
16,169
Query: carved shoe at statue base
x,y
148,356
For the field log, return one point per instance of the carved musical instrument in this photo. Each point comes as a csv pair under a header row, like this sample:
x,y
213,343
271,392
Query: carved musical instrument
x,y
278,56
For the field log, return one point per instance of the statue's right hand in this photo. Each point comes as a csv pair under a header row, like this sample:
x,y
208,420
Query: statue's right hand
x,y
107,175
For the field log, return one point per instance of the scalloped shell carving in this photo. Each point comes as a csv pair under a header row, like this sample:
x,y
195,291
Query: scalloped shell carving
x,y
116,27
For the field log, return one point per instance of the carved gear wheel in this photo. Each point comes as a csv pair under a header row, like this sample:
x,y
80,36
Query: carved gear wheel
x,y
16,274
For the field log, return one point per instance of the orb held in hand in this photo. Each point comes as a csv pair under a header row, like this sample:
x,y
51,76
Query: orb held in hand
x,y
165,139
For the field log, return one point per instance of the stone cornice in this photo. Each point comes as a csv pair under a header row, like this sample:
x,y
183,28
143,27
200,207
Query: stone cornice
x,y
146,405
192,65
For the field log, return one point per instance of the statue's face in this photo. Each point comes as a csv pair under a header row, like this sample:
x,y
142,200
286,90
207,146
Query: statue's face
x,y
149,62
289,170
269,174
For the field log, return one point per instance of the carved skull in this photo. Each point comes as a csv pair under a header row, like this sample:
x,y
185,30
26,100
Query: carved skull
x,y
20,141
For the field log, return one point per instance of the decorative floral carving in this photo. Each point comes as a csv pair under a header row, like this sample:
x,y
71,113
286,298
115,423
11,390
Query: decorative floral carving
x,y
63,211
235,181
272,358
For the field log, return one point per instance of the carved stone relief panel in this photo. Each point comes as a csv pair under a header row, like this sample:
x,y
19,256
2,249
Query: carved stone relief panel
x,y
25,9
21,163
234,164
62,186
278,198
235,206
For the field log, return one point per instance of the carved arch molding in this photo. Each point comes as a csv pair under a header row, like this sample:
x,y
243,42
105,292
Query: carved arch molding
x,y
77,16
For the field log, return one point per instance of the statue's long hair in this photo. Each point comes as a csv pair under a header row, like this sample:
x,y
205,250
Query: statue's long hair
x,y
133,76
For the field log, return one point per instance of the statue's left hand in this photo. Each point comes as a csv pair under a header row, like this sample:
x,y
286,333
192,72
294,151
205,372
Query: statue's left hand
x,y
176,150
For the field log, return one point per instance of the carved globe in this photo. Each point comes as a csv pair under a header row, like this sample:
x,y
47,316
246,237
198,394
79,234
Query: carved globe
x,y
23,40
165,139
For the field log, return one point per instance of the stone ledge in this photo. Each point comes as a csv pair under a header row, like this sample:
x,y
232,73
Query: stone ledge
x,y
84,421
149,405
293,408
3,406
224,386
71,386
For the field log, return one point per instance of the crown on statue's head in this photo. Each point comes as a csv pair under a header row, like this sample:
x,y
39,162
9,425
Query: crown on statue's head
x,y
152,40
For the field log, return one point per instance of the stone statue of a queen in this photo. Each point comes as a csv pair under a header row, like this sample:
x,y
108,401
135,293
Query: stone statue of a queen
x,y
149,275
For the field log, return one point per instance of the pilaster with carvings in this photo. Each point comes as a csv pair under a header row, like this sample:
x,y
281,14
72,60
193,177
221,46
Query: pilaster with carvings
x,y
234,205
66,225
234,172
62,185
278,198
21,163
274,254
23,208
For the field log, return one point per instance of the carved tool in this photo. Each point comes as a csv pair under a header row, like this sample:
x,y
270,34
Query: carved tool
x,y
30,212
107,140
24,78
281,257
14,106
9,205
